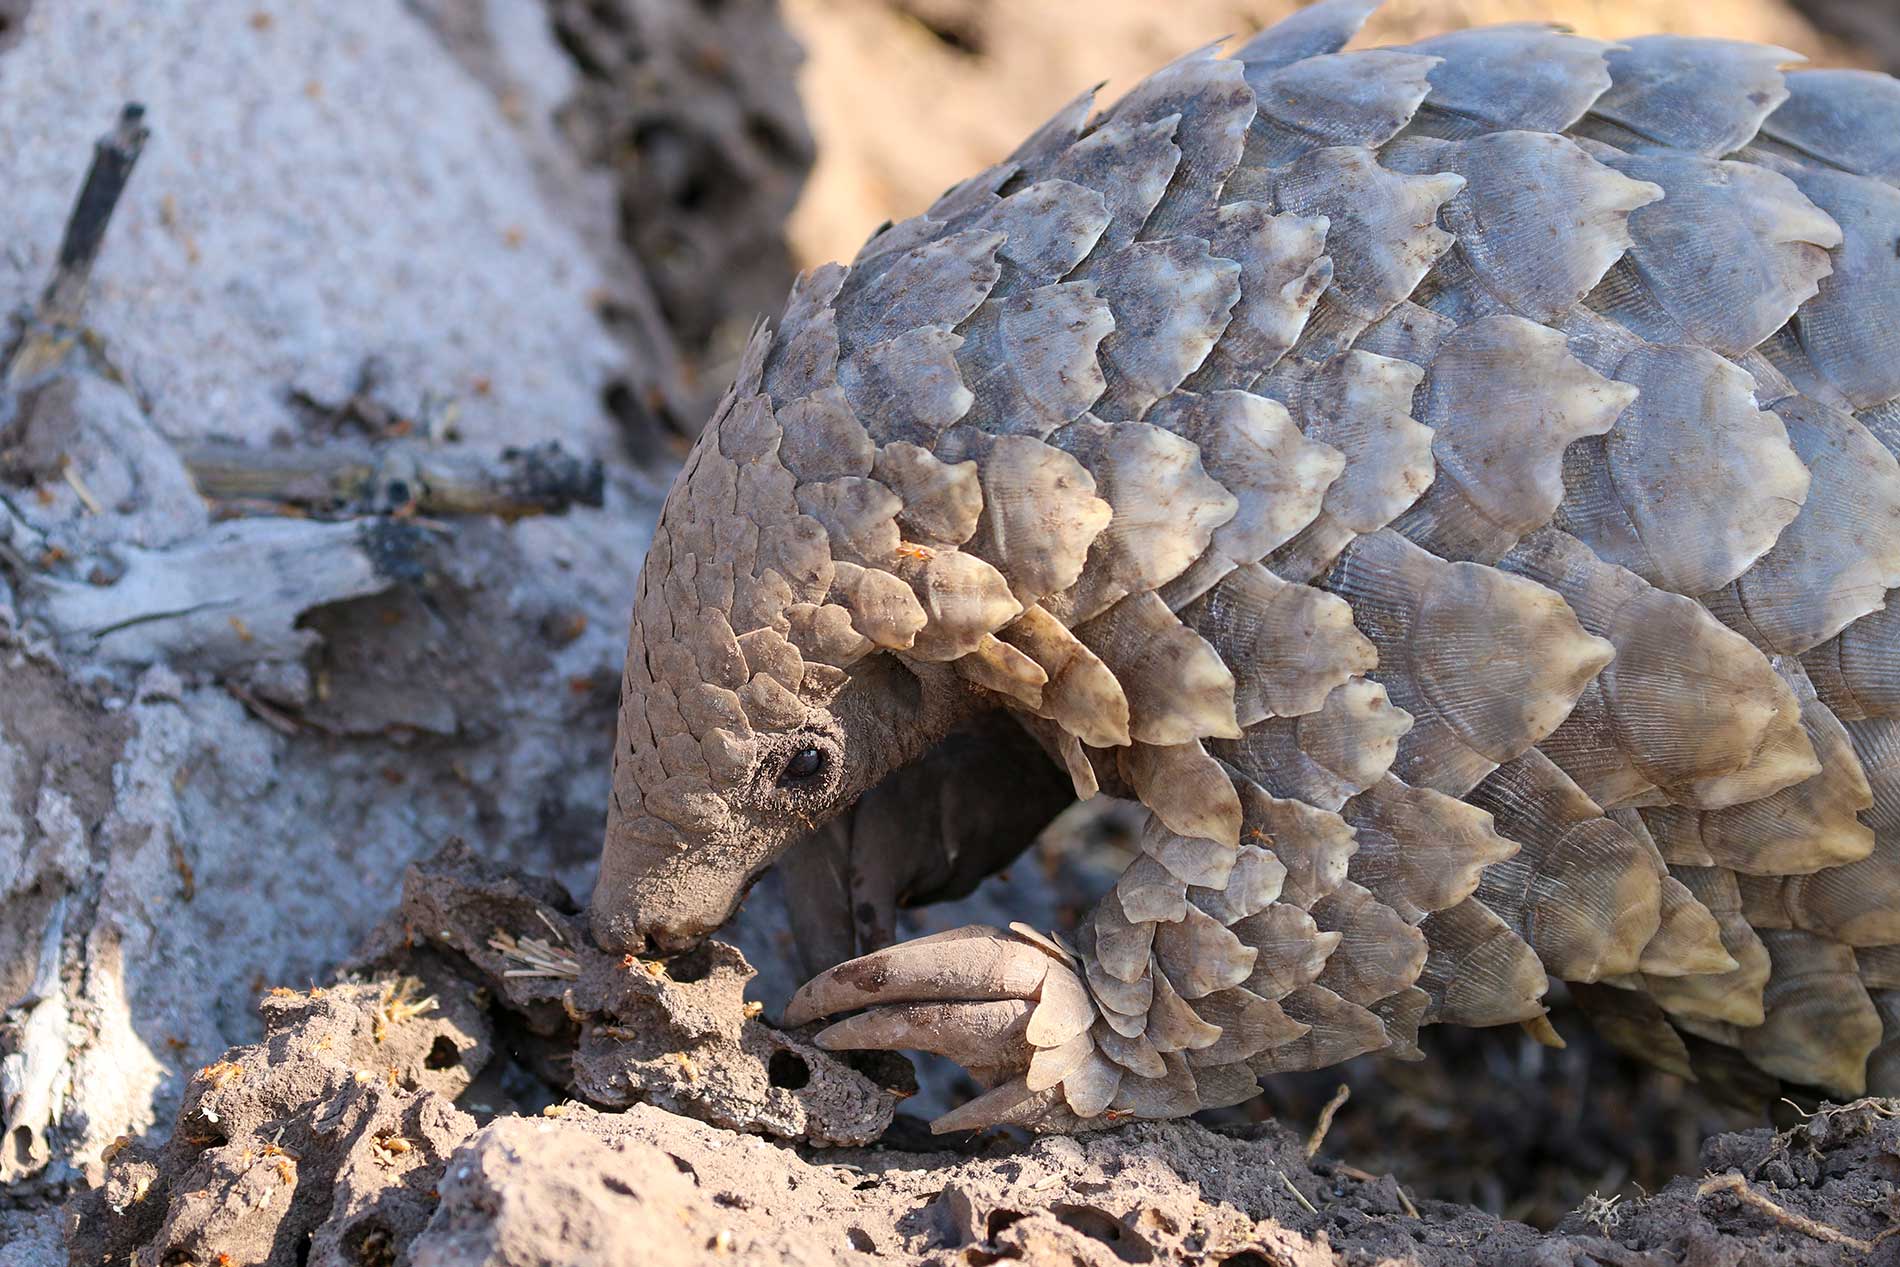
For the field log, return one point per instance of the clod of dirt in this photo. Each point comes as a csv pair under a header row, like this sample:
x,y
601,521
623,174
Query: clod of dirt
x,y
325,1144
519,1178
318,1145
678,1034
1162,1193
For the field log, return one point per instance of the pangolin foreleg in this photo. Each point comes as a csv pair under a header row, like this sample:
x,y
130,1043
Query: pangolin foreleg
x,y
929,833
1067,1036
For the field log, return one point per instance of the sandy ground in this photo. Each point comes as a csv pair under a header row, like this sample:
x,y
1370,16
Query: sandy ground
x,y
411,1115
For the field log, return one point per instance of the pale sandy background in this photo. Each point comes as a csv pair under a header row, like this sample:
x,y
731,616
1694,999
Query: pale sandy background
x,y
908,96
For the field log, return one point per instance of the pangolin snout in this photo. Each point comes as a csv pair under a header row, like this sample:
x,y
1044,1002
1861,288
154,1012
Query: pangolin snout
x,y
626,928
667,898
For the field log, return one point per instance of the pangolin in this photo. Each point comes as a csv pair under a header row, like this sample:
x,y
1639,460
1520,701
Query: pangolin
x,y
1452,488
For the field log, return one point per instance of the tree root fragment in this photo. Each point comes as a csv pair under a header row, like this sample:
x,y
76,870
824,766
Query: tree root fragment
x,y
1739,1186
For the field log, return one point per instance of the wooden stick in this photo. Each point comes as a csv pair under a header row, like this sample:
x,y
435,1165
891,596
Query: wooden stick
x,y
1366,1176
113,156
401,478
232,596
1297,1194
54,326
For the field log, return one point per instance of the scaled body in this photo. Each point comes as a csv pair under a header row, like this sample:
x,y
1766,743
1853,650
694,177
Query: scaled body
x,y
1453,488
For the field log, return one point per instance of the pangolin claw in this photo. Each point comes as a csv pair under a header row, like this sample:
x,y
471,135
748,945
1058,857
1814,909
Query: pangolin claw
x,y
972,1034
1009,1008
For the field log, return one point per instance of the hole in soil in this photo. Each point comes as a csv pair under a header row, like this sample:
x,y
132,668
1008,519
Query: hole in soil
x,y
443,1054
20,1144
608,15
695,193
787,1070
619,400
773,141
369,1244
860,1240
1000,1221
1246,1258
1104,1227
204,1137
694,965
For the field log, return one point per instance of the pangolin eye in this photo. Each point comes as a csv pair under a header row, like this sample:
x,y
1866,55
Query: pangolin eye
x,y
804,765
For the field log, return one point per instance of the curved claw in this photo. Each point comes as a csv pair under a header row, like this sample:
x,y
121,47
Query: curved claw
x,y
1009,1007
968,963
1009,1103
975,1035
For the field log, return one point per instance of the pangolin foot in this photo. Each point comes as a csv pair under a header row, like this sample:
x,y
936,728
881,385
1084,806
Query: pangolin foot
x,y
1009,1006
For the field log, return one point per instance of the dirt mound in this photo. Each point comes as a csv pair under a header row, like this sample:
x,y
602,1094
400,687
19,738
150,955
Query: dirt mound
x,y
443,1106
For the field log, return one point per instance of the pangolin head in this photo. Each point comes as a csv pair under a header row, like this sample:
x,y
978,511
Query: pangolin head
x,y
793,639
901,514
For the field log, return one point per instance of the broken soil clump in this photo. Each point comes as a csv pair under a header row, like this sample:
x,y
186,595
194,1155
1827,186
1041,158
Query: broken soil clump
x,y
415,1114
615,1030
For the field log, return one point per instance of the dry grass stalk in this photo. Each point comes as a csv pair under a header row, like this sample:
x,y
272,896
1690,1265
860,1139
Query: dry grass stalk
x,y
541,957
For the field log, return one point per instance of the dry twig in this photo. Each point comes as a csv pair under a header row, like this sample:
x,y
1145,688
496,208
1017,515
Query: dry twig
x,y
78,485
1297,1194
402,477
1787,1218
1325,1122
55,324
1366,1176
